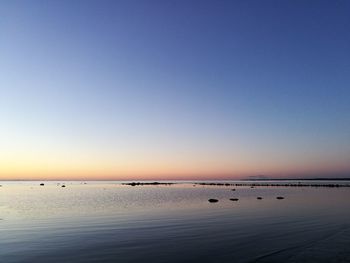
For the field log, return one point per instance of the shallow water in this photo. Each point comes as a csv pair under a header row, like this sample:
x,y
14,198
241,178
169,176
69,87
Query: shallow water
x,y
110,222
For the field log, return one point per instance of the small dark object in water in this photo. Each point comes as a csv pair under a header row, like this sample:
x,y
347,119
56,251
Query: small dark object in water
x,y
259,198
213,200
233,189
252,187
153,183
279,197
63,186
42,184
234,199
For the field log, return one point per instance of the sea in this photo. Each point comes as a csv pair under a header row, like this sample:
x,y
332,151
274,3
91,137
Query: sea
x,y
109,221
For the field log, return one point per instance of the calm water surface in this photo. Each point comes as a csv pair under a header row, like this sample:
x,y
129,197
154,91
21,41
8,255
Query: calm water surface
x,y
110,222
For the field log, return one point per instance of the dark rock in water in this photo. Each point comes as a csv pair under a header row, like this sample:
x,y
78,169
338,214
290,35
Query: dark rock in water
x,y
152,183
259,198
233,189
234,199
42,184
279,197
213,200
63,186
279,184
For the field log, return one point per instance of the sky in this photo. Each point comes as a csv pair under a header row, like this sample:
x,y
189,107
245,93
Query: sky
x,y
158,90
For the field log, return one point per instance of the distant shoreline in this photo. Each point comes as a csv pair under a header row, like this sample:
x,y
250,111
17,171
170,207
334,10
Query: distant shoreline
x,y
298,179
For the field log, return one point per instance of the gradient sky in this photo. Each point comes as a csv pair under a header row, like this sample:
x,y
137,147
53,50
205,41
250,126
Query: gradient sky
x,y
174,89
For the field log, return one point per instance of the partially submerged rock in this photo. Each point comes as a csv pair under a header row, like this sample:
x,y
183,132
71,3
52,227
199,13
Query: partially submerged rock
x,y
212,200
259,198
278,184
42,184
234,199
279,197
63,186
144,183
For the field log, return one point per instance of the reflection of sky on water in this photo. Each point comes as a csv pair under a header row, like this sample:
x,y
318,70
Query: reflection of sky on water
x,y
30,200
109,221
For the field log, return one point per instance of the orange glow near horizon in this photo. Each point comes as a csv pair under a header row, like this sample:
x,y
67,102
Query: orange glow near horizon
x,y
46,157
158,169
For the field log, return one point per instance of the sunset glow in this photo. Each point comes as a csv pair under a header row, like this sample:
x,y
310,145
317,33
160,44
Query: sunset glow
x,y
152,90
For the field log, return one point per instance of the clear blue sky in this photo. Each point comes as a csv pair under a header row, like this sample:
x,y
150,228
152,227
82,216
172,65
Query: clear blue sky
x,y
174,89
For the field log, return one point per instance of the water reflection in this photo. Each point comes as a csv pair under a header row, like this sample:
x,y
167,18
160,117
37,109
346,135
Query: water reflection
x,y
109,222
